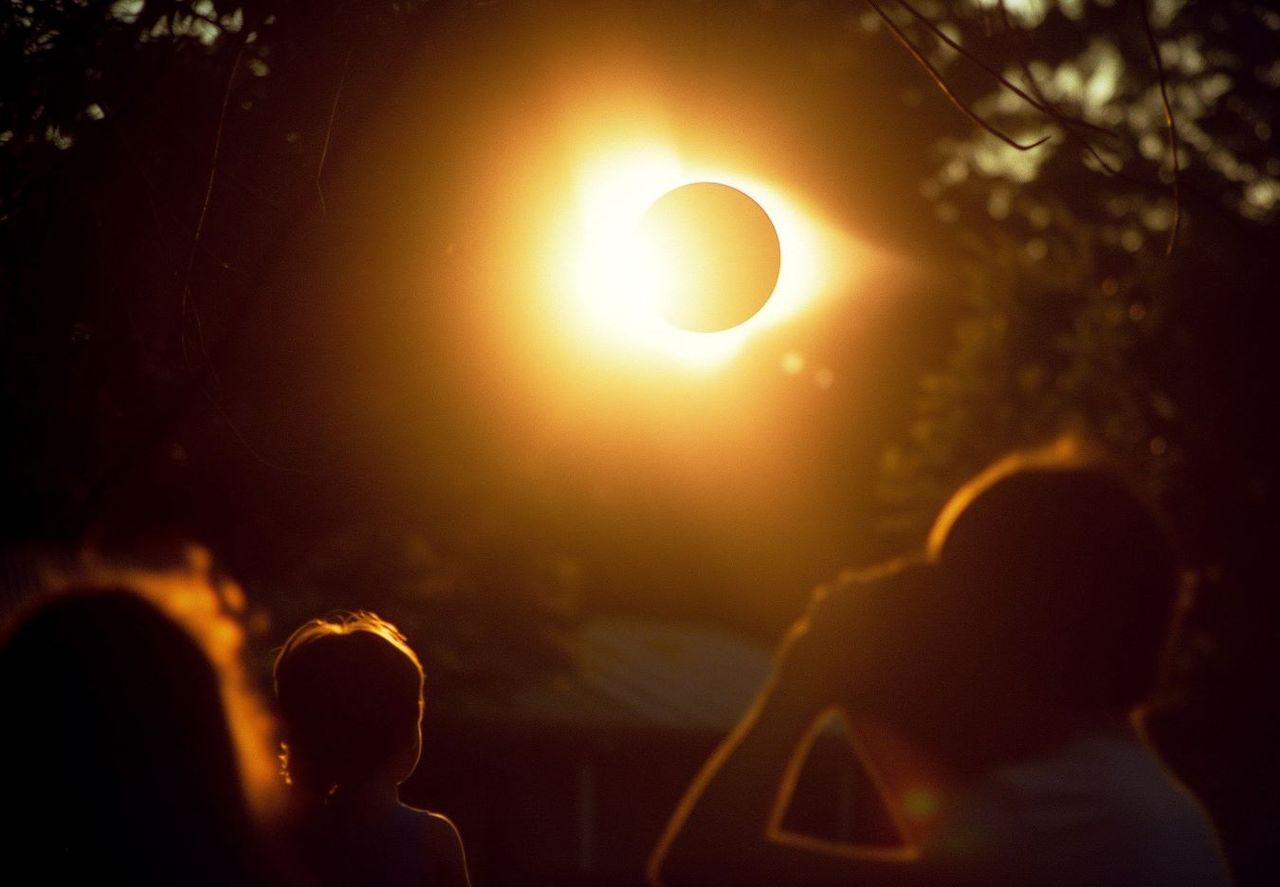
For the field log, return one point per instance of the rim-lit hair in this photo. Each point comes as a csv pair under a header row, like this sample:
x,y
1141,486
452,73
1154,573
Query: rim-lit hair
x,y
118,756
350,694
1060,579
183,582
1066,453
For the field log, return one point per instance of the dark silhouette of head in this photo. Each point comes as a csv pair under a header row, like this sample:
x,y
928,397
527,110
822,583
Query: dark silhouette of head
x,y
118,763
350,696
1058,582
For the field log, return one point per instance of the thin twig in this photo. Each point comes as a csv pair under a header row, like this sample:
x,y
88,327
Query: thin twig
x,y
328,133
1044,107
945,88
1169,121
244,441
1032,82
204,207
186,279
1115,172
1037,99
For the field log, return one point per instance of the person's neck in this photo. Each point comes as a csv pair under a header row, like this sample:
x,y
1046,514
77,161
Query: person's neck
x,y
369,795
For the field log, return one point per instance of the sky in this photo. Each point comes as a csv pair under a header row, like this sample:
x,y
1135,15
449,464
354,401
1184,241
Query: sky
x,y
415,358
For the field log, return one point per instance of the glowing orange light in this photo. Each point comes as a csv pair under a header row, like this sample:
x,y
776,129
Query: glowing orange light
x,y
617,284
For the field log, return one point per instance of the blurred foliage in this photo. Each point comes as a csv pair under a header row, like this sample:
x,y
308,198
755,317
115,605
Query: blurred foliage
x,y
115,47
1045,348
128,276
1075,318
114,119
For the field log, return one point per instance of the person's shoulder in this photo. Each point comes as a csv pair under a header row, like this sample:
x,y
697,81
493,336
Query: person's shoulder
x,y
435,825
1102,810
440,829
444,846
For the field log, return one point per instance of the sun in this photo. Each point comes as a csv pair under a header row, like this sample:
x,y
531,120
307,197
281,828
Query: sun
x,y
716,252
620,291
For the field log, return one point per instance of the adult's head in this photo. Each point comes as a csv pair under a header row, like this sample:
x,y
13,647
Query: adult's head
x,y
118,764
1057,585
350,697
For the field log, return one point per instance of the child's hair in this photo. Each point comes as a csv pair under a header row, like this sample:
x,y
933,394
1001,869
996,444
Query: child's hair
x,y
350,695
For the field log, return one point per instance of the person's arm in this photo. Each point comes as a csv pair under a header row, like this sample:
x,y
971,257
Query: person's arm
x,y
449,860
725,829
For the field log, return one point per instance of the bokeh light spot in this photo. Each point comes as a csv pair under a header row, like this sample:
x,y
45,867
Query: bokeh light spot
x,y
920,803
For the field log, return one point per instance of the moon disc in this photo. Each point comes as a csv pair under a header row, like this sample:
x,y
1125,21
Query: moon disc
x,y
720,253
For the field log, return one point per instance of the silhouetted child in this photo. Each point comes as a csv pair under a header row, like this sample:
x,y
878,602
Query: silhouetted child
x,y
350,696
990,684
117,765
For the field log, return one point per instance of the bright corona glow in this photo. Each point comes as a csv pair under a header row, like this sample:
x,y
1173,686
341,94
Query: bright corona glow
x,y
719,250
614,282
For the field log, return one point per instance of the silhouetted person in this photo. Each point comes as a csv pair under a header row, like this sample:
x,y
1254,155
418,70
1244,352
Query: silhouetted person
x,y
350,695
990,686
116,762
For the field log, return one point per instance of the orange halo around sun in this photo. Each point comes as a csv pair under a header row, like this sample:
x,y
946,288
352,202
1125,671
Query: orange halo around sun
x,y
613,283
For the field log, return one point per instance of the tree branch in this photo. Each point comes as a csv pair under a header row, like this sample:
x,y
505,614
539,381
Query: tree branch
x,y
1041,105
942,84
1169,121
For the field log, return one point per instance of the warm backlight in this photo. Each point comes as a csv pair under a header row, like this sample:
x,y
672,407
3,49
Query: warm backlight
x,y
683,261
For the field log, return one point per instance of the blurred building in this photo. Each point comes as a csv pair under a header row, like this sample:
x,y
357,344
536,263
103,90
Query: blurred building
x,y
572,781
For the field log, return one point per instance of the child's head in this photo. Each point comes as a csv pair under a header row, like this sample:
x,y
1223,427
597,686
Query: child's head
x,y
350,693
